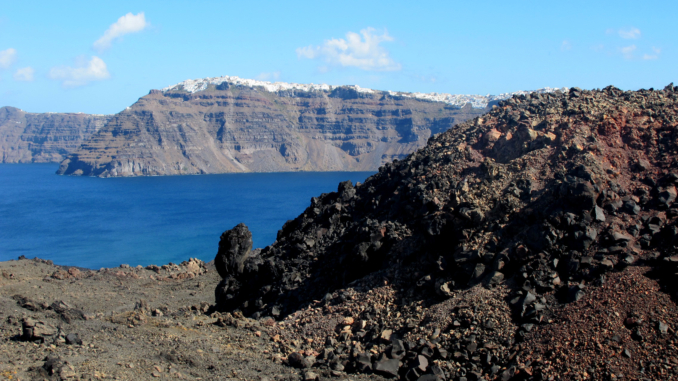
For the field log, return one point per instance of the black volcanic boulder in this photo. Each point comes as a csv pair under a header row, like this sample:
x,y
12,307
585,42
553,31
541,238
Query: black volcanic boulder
x,y
235,246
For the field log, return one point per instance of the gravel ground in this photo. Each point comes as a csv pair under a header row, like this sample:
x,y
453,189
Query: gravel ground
x,y
625,329
134,324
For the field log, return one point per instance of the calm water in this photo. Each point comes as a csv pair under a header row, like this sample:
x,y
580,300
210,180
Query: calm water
x,y
93,222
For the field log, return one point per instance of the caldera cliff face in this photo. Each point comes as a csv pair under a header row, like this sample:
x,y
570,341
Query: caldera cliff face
x,y
43,137
234,128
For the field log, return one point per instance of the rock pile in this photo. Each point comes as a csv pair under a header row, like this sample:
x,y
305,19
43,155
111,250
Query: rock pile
x,y
539,199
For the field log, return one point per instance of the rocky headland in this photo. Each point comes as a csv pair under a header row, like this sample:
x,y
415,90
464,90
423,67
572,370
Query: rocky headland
x,y
43,137
536,242
229,124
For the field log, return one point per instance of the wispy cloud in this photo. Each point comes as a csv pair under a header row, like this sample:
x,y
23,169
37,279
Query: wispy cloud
x,y
628,51
654,56
24,74
362,51
566,45
274,76
126,24
83,73
629,33
7,58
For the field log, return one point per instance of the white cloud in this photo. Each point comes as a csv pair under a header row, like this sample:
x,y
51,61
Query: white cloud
x,y
7,58
627,51
357,50
83,72
126,24
630,33
566,45
654,56
269,76
24,74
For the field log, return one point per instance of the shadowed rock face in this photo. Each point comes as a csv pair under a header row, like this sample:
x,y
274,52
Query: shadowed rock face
x,y
244,129
234,248
546,195
42,138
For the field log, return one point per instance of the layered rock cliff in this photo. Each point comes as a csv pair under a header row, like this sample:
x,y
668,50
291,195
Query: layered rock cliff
x,y
40,138
235,128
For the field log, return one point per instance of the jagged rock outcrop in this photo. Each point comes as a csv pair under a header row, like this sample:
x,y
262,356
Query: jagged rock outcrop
x,y
542,197
234,248
236,128
41,138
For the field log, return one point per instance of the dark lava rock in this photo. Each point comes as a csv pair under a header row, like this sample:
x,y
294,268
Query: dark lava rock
x,y
73,339
387,367
234,248
297,360
545,194
52,364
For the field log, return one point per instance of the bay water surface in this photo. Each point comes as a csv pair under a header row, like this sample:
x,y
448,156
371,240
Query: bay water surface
x,y
94,222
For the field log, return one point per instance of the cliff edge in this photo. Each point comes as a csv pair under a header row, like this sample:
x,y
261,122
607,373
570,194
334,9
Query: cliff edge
x,y
43,137
238,128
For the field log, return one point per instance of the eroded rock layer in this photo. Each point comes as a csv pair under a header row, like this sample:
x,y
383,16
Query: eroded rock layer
x,y
228,128
41,138
535,202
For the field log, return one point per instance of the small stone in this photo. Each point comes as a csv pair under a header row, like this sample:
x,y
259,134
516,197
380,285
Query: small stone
x,y
364,362
606,264
297,360
73,338
386,335
397,350
496,278
426,351
621,237
663,328
421,363
598,214
387,367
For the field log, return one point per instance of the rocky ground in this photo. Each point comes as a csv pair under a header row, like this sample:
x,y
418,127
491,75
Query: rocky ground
x,y
59,323
470,259
538,242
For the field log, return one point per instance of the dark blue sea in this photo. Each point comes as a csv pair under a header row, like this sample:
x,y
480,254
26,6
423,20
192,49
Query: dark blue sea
x,y
94,222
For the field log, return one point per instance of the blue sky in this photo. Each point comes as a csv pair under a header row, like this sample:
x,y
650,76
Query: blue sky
x,y
100,57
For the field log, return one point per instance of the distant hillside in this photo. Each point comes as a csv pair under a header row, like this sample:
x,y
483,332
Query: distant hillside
x,y
41,138
228,124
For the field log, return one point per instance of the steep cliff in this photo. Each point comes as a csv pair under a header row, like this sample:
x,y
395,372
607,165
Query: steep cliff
x,y
232,127
40,138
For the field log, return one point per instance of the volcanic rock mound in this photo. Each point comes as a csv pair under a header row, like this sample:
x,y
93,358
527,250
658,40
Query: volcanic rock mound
x,y
536,201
